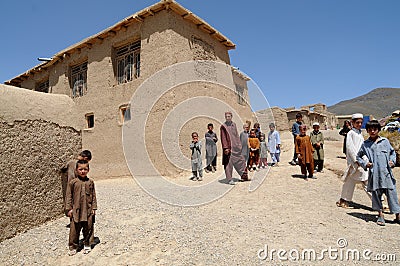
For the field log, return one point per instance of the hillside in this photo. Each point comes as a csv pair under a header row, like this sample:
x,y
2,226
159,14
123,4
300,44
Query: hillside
x,y
379,102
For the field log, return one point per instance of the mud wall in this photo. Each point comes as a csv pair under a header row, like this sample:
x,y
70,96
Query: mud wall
x,y
32,153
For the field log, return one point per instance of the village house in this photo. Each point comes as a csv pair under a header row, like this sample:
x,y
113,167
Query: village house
x,y
285,117
102,72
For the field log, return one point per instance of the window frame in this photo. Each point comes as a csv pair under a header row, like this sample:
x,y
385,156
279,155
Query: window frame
x,y
123,115
89,117
78,79
127,62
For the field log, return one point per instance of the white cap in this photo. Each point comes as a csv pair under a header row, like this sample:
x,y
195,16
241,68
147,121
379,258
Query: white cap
x,y
357,116
315,124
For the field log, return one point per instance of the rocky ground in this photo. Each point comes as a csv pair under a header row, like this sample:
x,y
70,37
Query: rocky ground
x,y
285,212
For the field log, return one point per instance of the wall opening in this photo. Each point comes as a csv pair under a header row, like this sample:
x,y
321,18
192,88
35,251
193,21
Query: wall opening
x,y
90,120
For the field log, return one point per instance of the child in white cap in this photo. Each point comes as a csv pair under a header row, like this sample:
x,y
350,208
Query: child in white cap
x,y
353,174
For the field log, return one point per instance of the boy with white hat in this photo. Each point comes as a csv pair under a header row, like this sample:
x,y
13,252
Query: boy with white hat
x,y
353,174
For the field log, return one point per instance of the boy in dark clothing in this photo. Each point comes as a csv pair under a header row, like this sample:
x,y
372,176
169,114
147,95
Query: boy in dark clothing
x,y
81,206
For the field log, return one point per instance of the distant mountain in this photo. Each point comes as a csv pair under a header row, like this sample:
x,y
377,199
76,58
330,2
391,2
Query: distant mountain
x,y
379,102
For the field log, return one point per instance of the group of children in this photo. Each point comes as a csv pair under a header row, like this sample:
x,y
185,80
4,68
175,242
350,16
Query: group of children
x,y
308,149
370,163
374,155
80,203
211,153
257,148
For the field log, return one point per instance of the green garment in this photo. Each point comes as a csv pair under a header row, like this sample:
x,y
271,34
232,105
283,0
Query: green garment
x,y
317,137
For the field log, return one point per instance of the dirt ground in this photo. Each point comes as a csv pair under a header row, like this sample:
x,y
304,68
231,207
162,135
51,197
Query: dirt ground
x,y
285,213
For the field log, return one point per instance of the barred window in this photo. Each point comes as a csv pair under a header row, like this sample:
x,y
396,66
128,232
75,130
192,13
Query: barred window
x,y
240,93
79,80
127,59
43,86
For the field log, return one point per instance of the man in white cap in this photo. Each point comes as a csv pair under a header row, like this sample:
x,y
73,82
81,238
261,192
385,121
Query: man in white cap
x,y
353,174
317,140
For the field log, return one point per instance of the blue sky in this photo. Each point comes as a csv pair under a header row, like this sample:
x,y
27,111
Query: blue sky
x,y
298,51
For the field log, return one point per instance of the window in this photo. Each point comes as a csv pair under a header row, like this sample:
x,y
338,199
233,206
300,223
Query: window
x,y
90,120
127,59
43,86
240,93
125,113
79,80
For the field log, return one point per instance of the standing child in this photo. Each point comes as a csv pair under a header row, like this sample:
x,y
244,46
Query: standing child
x,y
295,132
353,173
304,151
274,144
317,140
263,153
254,146
381,158
211,149
195,146
81,206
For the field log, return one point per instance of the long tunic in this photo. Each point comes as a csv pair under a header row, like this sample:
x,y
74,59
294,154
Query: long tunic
x,y
304,148
81,198
263,149
379,153
317,137
196,155
230,140
211,146
353,144
344,132
273,140
244,136
68,173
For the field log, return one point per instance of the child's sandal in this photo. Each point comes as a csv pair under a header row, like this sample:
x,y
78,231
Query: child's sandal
x,y
72,252
380,221
86,250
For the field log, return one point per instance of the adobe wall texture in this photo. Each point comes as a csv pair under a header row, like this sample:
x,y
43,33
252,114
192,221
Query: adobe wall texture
x,y
36,140
32,153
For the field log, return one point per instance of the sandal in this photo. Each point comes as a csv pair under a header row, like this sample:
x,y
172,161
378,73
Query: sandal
x,y
381,221
342,203
72,252
86,250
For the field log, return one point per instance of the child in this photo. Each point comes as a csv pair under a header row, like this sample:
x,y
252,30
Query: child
x,y
195,146
381,158
317,140
254,146
304,151
81,206
70,168
263,153
211,149
274,144
295,133
353,173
